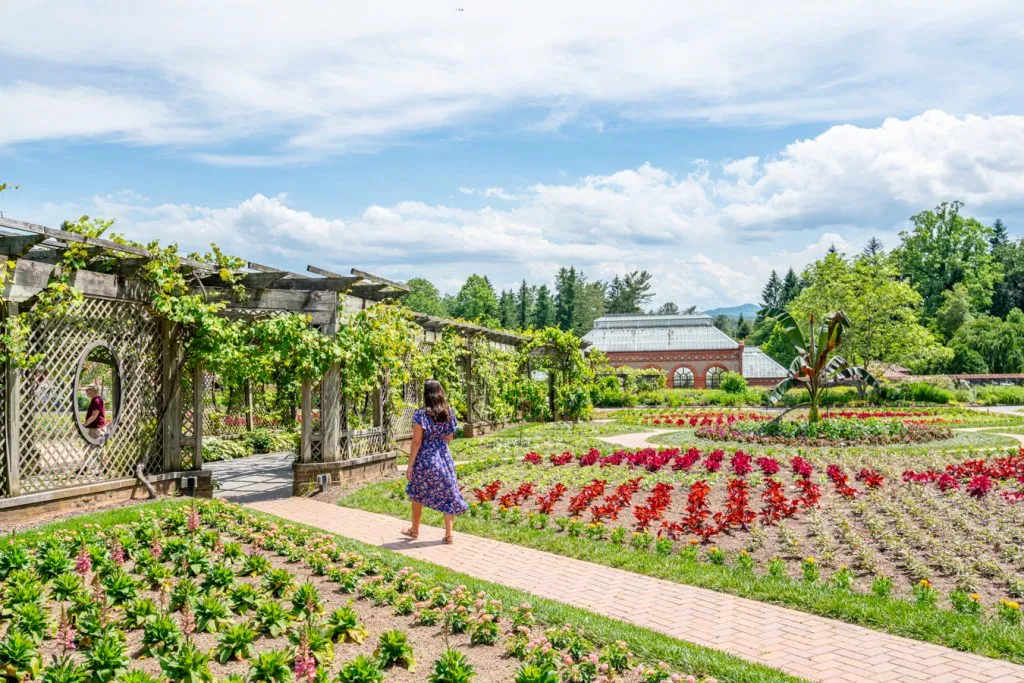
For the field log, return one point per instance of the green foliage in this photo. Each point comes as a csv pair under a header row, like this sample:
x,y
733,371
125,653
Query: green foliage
x,y
107,658
187,664
424,298
816,364
271,667
66,670
343,626
990,343
452,667
394,649
734,383
914,392
361,669
994,395
161,634
560,355
212,613
236,643
271,618
945,248
476,301
215,449
259,441
18,657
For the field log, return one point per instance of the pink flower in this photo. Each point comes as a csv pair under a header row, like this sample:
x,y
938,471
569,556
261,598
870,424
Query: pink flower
x,y
193,519
117,553
83,563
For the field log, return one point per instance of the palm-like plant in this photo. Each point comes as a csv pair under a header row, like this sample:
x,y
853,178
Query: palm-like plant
x,y
816,365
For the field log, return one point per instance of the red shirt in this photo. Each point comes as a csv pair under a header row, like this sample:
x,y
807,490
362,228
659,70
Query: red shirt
x,y
96,406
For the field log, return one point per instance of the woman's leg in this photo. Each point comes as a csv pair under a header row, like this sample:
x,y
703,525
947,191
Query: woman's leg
x,y
449,522
417,515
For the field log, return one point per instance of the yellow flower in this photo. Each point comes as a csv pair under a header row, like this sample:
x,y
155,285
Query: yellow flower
x,y
694,541
974,597
743,553
713,549
925,583
1012,604
810,560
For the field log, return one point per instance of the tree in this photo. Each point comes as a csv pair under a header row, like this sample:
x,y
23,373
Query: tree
x,y
1009,293
955,311
884,311
791,287
816,364
777,344
629,293
944,248
566,296
1000,236
590,305
477,301
424,298
690,310
772,292
524,306
724,323
873,248
999,343
667,308
742,328
508,313
543,309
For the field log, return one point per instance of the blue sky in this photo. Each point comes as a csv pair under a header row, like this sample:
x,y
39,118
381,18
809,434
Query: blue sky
x,y
708,144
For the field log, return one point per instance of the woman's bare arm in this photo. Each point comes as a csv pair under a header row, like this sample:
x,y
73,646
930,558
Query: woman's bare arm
x,y
414,448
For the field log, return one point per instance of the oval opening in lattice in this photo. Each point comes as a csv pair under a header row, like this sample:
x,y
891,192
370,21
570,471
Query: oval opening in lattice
x,y
97,393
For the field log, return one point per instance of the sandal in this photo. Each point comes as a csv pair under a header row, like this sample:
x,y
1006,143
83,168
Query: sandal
x,y
448,540
409,534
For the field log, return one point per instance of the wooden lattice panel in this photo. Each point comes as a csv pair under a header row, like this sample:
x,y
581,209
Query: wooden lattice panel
x,y
4,491
53,454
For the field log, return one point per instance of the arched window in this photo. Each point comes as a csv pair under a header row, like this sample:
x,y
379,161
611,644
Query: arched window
x,y
713,380
682,378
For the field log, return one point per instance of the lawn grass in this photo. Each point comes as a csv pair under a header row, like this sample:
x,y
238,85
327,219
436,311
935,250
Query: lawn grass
x,y
650,646
898,617
544,438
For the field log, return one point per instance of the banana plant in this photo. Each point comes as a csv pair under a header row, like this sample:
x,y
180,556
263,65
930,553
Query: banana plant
x,y
816,365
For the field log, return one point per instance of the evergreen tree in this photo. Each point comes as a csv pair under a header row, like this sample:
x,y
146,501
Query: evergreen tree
x,y
543,309
772,291
874,248
724,323
566,296
508,314
1000,236
742,328
629,293
668,308
791,287
524,306
590,304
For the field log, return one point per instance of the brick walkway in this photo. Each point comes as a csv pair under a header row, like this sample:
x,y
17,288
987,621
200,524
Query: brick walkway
x,y
801,644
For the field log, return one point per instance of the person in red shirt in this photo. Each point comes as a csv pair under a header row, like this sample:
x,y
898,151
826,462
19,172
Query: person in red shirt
x,y
95,414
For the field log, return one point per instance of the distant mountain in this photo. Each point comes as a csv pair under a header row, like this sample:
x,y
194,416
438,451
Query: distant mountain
x,y
748,311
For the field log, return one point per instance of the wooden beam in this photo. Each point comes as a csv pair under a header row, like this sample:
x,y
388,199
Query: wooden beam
x,y
129,267
170,395
279,300
16,246
197,417
261,280
95,242
306,439
323,272
380,280
264,269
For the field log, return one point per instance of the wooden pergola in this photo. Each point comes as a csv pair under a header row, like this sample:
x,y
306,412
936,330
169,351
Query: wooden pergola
x,y
157,433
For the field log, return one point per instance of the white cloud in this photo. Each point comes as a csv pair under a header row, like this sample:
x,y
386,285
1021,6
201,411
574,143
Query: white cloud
x,y
309,78
709,237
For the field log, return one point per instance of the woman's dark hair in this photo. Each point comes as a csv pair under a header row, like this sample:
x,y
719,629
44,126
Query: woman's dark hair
x,y
435,401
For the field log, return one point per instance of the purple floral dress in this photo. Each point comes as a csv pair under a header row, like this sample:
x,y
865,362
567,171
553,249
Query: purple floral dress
x,y
433,481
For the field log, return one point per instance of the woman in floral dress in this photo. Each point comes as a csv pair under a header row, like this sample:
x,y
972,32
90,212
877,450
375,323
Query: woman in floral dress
x,y
431,471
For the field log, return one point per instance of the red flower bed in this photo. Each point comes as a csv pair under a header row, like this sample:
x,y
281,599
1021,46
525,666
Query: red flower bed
x,y
546,502
616,501
582,500
515,498
978,477
702,418
654,507
488,492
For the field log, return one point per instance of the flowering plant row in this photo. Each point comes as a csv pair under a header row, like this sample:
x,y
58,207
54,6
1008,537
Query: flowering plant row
x,y
977,477
176,583
722,418
873,431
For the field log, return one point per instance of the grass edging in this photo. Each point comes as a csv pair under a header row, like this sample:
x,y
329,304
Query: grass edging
x,y
650,646
897,617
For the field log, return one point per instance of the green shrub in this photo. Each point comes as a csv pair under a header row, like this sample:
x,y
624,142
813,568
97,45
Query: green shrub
x,y
996,395
259,441
734,383
215,449
914,392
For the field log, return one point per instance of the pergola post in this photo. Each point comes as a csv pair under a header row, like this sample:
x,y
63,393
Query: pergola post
x,y
170,397
470,417
13,407
306,448
249,407
197,417
330,403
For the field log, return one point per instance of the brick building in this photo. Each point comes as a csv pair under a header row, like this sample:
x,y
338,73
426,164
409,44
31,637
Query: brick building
x,y
689,349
